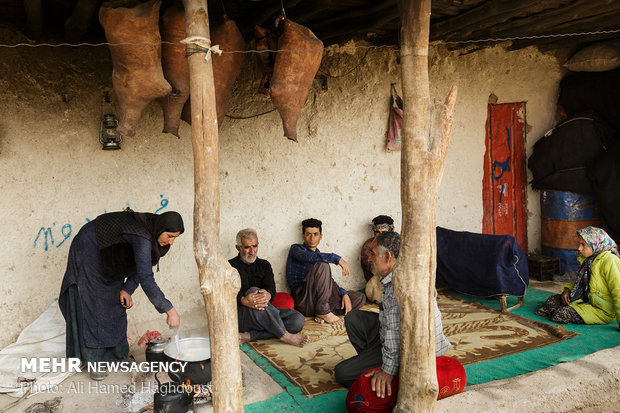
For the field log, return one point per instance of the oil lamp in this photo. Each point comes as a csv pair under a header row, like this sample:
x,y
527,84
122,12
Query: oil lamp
x,y
109,137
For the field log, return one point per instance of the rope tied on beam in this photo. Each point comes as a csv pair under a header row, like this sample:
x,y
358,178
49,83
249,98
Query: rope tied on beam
x,y
199,44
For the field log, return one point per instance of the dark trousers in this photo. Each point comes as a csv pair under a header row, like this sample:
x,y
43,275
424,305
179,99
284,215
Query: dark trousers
x,y
270,322
555,310
363,330
75,338
319,294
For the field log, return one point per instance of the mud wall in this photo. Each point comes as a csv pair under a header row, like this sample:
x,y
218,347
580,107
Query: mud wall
x,y
55,176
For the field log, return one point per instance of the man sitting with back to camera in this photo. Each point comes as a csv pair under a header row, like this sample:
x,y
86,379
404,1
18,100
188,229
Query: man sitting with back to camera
x,y
257,317
309,278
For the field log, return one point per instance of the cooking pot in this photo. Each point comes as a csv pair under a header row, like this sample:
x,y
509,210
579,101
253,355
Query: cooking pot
x,y
171,398
196,351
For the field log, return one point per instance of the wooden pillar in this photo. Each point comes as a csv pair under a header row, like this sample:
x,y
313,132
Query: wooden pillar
x,y
422,160
219,282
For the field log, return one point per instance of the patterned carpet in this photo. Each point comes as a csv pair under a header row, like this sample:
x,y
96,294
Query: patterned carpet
x,y
477,333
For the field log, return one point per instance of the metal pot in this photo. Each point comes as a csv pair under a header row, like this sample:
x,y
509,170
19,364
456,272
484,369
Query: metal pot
x,y
196,351
172,398
155,349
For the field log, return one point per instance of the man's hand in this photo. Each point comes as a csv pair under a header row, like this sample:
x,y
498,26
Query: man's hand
x,y
126,300
345,267
258,300
262,300
380,382
566,296
346,304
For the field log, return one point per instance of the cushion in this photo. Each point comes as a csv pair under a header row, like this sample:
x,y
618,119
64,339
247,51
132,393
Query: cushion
x,y
598,57
451,379
283,300
451,376
361,398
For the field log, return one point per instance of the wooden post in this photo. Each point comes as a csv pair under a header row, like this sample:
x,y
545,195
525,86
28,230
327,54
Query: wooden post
x,y
219,282
423,155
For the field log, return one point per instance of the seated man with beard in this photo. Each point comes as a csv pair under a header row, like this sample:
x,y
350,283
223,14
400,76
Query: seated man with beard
x,y
257,317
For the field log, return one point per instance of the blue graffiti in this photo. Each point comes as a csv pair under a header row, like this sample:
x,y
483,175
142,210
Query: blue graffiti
x,y
66,231
501,193
505,167
508,136
163,203
47,233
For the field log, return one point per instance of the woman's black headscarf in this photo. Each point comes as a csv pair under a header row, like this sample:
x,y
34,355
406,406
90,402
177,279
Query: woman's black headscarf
x,y
155,224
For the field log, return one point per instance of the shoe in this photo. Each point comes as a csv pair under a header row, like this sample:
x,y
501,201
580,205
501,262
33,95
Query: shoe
x,y
128,359
542,312
98,375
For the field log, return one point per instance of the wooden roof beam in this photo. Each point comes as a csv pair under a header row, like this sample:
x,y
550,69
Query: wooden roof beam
x,y
583,16
489,14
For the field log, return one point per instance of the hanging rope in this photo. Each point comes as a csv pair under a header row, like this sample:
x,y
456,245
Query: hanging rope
x,y
350,71
251,116
224,9
201,45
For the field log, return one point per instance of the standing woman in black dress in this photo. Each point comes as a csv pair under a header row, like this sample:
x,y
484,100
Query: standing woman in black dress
x,y
108,258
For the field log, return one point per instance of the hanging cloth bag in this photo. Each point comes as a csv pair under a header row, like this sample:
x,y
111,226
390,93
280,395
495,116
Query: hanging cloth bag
x,y
395,121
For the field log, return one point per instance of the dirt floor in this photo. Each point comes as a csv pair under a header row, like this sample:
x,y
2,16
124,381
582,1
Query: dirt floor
x,y
588,385
124,392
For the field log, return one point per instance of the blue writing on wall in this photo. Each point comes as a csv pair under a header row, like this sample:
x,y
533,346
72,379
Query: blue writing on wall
x,y
47,232
45,235
163,203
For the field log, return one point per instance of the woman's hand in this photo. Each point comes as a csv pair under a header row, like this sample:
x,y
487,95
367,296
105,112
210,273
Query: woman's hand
x,y
173,320
566,296
126,300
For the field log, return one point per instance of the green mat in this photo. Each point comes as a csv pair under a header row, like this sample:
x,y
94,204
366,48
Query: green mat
x,y
292,399
592,338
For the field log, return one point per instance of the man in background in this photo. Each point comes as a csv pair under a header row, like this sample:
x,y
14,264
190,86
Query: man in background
x,y
380,224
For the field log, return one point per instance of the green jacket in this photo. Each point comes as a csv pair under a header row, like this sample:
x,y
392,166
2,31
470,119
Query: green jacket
x,y
604,305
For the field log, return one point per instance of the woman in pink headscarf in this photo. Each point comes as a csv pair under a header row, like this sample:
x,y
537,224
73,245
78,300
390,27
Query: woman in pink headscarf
x,y
594,297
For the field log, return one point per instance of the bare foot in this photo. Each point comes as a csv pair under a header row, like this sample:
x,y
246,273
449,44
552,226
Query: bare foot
x,y
330,318
244,338
298,340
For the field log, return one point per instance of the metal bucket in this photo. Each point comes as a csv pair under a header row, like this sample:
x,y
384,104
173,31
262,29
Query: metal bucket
x,y
561,215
